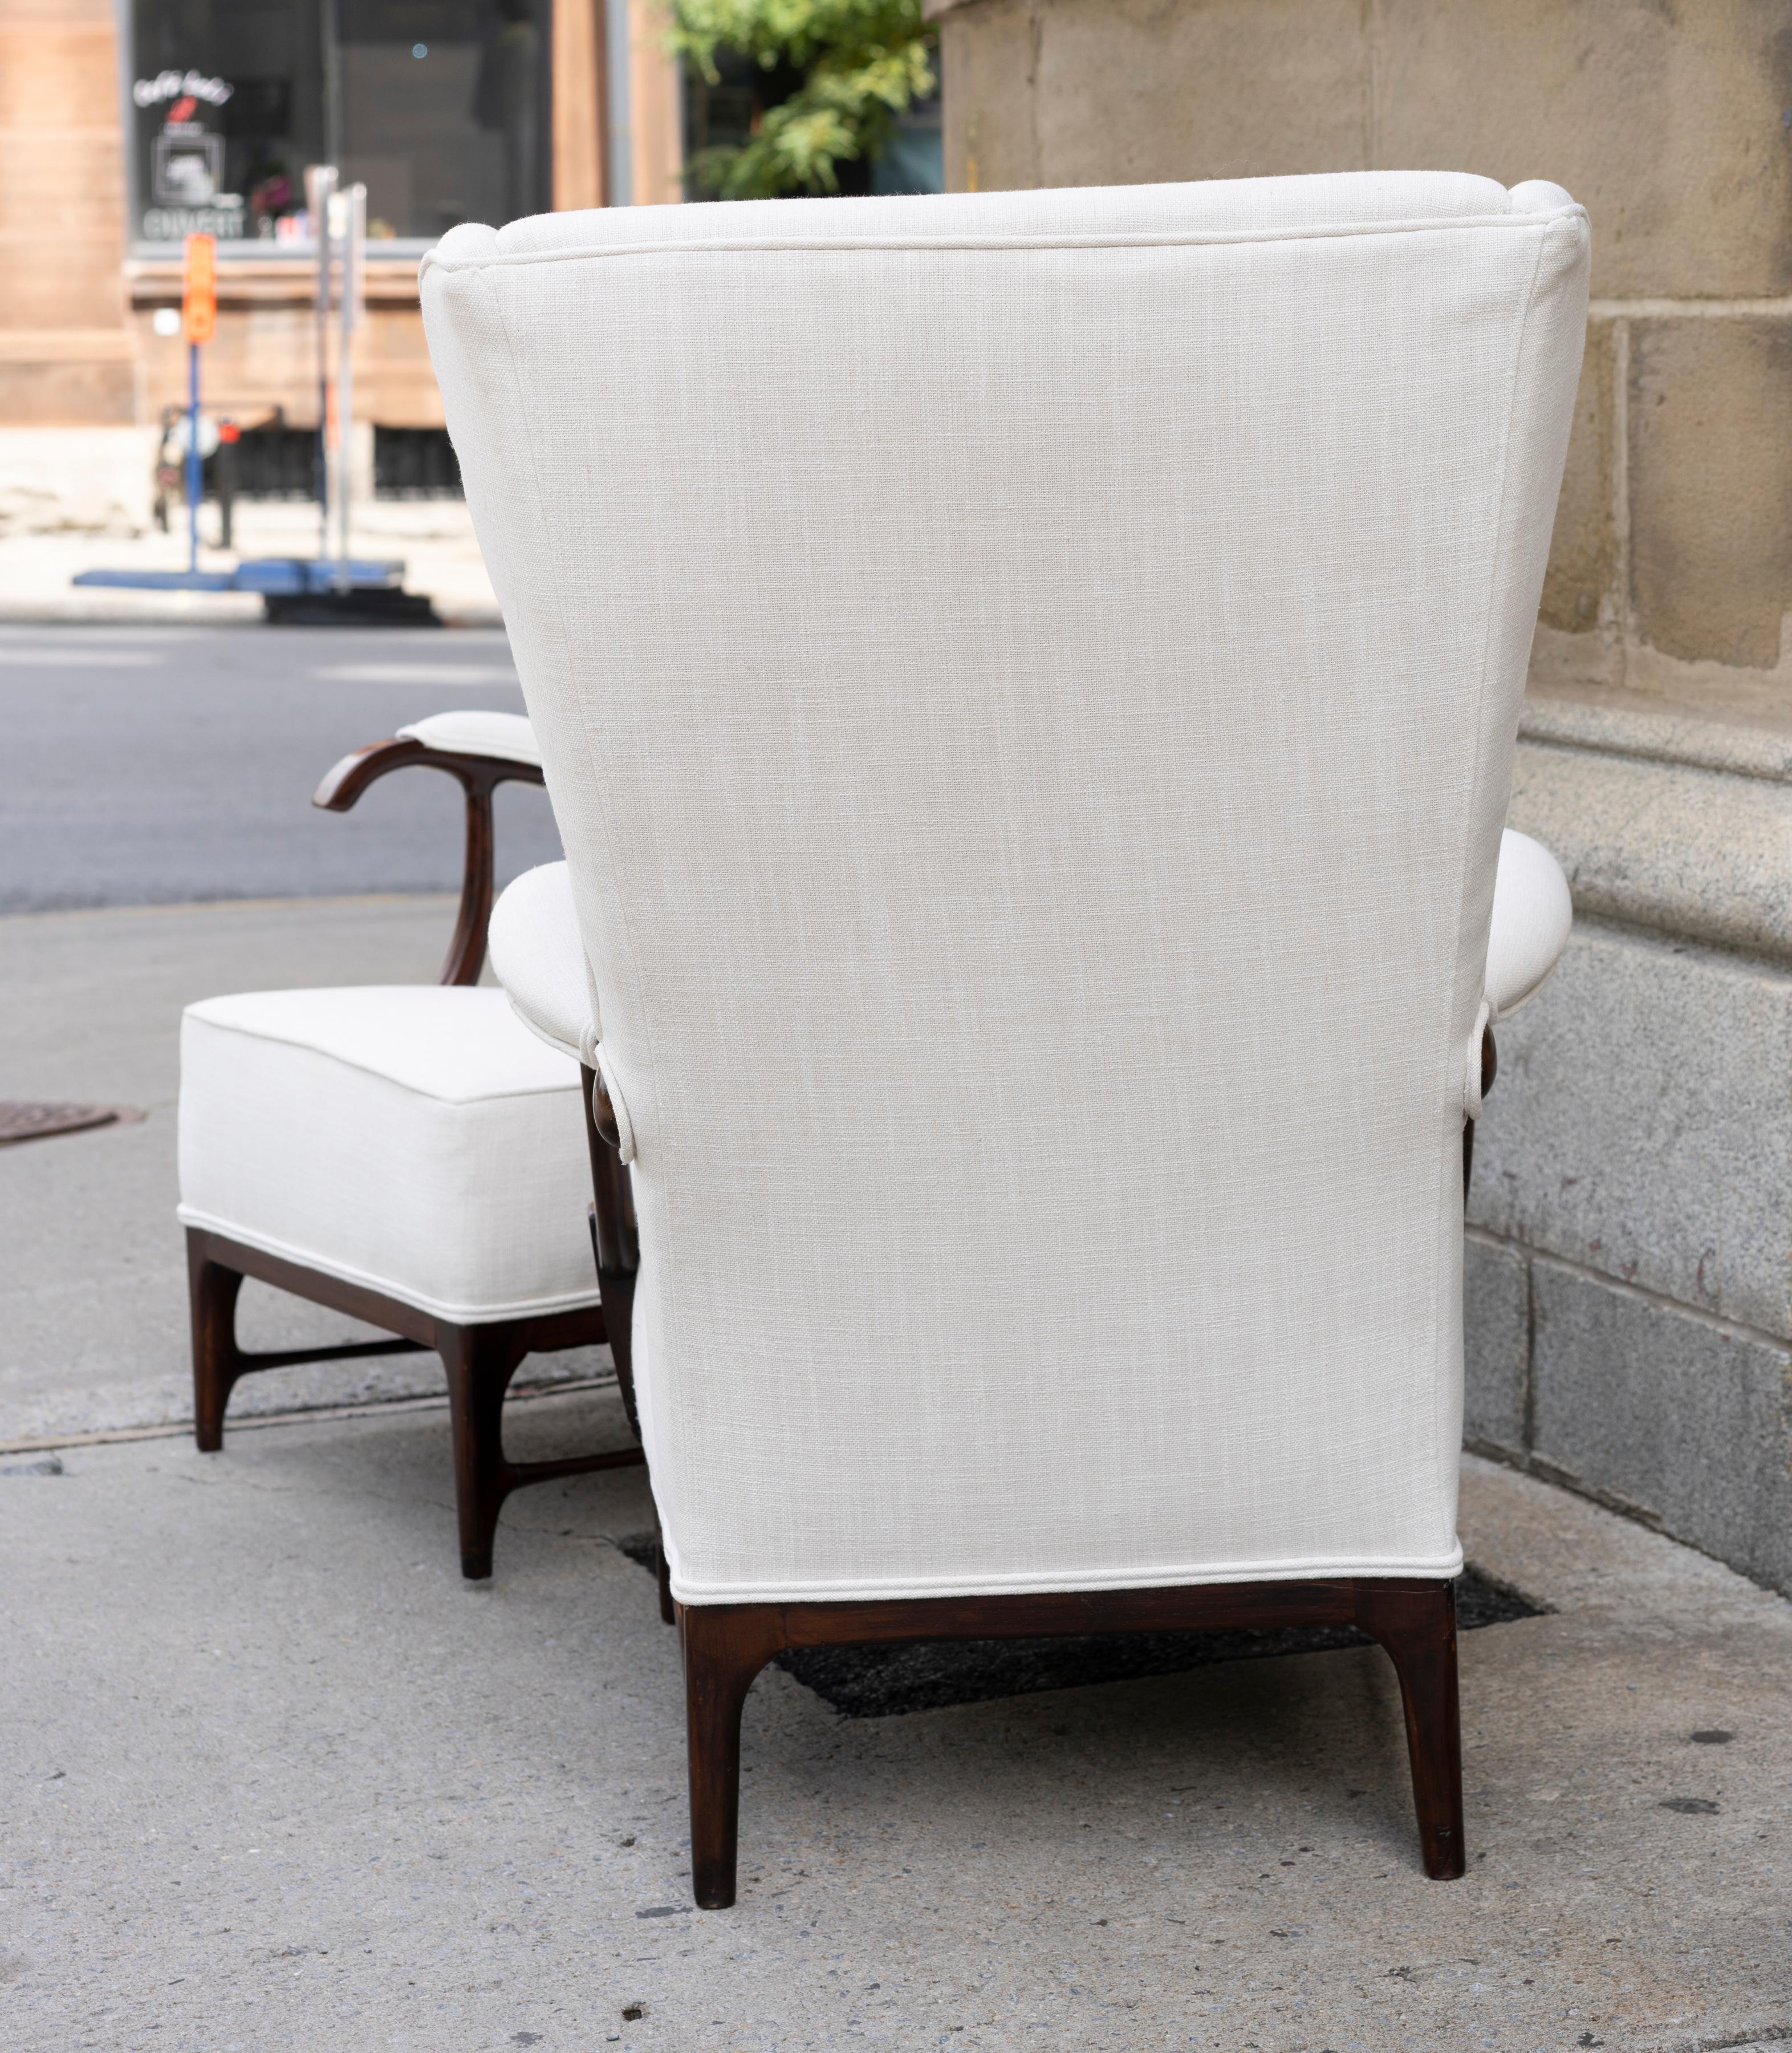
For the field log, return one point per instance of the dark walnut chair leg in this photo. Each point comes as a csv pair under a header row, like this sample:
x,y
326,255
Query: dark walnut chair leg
x,y
1490,1068
616,1292
1418,1631
615,1246
725,1646
480,1361
217,1362
662,1575
216,1270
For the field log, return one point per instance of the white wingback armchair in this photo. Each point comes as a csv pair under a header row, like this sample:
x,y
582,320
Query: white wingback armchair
x,y
1028,685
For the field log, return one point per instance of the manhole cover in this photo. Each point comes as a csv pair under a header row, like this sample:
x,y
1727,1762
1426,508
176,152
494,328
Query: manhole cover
x,y
38,1122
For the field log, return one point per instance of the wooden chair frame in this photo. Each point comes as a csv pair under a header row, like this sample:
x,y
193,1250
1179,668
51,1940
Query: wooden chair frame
x,y
478,776
725,1645
480,1360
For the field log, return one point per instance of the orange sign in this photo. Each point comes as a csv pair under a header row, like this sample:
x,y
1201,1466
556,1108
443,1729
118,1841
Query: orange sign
x,y
198,309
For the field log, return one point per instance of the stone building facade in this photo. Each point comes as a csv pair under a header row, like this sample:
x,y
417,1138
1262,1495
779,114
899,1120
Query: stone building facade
x,y
1629,1271
88,257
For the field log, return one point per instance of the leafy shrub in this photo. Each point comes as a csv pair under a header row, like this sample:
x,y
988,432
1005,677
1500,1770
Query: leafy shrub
x,y
861,64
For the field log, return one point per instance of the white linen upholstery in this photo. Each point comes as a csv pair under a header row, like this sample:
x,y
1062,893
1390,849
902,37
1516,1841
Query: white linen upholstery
x,y
537,956
1532,913
1041,959
508,736
414,1139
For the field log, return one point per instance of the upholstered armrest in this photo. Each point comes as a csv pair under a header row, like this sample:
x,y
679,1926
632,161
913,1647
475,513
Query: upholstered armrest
x,y
481,751
1532,912
506,736
537,956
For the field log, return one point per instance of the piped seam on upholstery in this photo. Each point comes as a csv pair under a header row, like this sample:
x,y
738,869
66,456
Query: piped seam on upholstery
x,y
1447,1170
896,1589
384,1076
594,764
997,244
307,1258
548,1040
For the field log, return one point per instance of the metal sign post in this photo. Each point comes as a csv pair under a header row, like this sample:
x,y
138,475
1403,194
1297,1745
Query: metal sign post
x,y
198,316
352,206
320,185
331,588
195,463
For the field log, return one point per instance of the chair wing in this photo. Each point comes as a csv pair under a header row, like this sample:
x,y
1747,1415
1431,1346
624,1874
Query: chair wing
x,y
1532,913
1056,658
537,956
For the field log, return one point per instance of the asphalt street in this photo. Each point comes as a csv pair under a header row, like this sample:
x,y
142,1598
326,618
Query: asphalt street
x,y
142,765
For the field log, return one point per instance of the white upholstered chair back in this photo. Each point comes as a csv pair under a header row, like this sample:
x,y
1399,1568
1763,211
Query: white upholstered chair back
x,y
1027,683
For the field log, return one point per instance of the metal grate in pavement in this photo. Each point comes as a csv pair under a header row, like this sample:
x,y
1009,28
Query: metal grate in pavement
x,y
24,1121
885,1681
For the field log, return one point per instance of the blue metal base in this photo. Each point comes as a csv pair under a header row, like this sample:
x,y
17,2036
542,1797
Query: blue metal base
x,y
282,577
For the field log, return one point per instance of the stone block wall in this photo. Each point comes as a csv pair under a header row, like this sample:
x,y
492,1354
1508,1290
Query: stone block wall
x,y
1628,1276
1628,1308
1672,571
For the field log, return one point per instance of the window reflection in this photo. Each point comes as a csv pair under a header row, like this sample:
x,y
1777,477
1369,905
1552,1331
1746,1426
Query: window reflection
x,y
435,106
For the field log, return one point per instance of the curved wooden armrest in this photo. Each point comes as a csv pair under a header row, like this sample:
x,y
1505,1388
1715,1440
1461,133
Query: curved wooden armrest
x,y
479,776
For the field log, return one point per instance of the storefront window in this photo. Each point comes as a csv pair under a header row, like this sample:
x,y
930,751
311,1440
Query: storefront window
x,y
434,105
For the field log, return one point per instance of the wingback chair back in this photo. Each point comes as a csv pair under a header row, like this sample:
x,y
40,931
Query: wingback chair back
x,y
1027,684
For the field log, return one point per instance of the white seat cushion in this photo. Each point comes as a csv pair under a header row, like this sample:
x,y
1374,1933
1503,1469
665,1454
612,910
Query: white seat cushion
x,y
417,1139
1532,913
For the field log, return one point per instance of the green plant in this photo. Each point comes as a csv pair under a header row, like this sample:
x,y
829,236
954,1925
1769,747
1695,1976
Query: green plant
x,y
861,63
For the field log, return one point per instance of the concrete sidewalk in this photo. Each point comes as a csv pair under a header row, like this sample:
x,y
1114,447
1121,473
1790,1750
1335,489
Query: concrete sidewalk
x,y
278,1779
433,538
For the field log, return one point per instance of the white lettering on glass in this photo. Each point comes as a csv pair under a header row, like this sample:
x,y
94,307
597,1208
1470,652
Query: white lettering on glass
x,y
176,85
